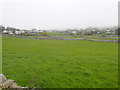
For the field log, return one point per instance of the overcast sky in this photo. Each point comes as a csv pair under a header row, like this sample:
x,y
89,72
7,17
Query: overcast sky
x,y
58,14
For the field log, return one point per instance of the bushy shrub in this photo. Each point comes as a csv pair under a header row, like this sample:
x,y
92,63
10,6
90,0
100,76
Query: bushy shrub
x,y
103,35
44,34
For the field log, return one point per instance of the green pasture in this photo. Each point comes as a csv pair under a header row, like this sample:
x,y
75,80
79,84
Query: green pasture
x,y
0,54
60,63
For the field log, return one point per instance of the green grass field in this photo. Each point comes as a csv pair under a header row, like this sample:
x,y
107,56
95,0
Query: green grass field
x,y
60,63
0,54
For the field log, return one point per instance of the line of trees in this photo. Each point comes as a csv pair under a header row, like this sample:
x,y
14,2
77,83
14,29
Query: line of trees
x,y
2,28
87,30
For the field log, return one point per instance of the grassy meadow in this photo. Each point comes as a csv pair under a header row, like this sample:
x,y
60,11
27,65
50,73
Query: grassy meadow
x,y
60,63
0,54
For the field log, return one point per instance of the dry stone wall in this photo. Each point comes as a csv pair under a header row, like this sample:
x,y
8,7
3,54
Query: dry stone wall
x,y
8,83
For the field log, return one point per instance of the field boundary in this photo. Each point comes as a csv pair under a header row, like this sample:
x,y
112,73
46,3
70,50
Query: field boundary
x,y
62,38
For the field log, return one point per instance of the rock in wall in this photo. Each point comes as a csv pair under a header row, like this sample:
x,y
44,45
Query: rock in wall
x,y
8,83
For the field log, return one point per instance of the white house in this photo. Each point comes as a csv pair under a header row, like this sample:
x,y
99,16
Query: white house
x,y
73,32
5,32
98,32
110,32
10,32
17,32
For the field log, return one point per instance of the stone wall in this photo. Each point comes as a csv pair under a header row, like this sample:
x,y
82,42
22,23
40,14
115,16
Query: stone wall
x,y
8,83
